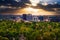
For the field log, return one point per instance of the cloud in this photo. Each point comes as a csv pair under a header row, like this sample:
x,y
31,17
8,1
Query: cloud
x,y
51,0
13,2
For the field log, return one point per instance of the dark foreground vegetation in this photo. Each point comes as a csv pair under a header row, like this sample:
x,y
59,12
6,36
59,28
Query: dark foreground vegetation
x,y
10,30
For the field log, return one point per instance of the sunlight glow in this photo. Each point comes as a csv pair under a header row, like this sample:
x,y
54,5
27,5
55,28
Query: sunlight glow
x,y
31,10
34,2
45,4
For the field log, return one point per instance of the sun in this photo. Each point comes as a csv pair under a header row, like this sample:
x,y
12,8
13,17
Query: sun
x,y
34,2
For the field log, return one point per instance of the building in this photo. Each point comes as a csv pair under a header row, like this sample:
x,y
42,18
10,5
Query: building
x,y
46,18
29,17
40,18
35,19
24,16
54,18
18,19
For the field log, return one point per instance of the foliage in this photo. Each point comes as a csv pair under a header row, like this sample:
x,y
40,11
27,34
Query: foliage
x,y
30,30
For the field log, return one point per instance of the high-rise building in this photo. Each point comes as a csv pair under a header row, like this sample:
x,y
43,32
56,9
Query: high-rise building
x,y
35,19
29,17
24,16
40,18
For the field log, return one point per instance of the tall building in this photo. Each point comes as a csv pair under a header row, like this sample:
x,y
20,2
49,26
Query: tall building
x,y
35,19
29,17
40,18
24,16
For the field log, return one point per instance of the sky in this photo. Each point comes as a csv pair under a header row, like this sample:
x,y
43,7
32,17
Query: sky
x,y
48,1
22,2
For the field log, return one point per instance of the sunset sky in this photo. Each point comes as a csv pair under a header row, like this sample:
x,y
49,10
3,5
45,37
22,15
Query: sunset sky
x,y
29,9
21,2
46,0
40,0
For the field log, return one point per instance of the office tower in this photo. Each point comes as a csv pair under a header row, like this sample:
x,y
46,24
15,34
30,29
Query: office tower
x,y
24,16
29,17
35,19
41,18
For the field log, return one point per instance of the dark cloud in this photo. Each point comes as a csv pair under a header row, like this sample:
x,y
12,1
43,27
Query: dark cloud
x,y
20,3
13,2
